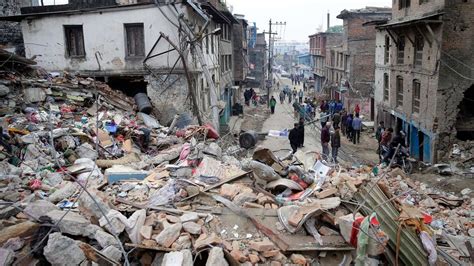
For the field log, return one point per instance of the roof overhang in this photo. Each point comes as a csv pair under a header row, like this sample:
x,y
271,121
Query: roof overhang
x,y
412,21
217,15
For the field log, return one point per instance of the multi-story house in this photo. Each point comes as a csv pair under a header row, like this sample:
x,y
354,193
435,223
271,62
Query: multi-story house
x,y
356,61
320,44
258,61
125,44
424,74
241,58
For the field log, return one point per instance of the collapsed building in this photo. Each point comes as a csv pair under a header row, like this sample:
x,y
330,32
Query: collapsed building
x,y
141,47
424,74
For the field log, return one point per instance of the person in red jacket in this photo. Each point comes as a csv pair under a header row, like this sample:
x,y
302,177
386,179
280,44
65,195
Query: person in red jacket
x,y
357,109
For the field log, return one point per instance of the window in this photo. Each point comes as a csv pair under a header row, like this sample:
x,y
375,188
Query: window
x,y
222,63
403,4
74,41
416,96
135,45
423,1
401,50
419,43
385,87
386,50
399,91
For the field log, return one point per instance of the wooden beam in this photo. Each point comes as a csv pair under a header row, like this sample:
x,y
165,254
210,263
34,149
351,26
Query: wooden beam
x,y
424,35
428,27
395,40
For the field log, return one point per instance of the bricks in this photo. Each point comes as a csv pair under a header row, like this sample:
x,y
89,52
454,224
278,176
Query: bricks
x,y
326,193
262,246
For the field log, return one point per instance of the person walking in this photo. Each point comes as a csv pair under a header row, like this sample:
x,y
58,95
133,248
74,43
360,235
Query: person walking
x,y
344,122
339,106
332,107
378,134
357,109
335,143
384,142
356,128
301,133
296,109
295,93
294,138
336,119
325,138
282,97
323,117
300,95
349,126
273,103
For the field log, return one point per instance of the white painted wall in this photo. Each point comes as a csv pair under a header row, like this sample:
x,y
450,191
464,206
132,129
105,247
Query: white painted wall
x,y
104,32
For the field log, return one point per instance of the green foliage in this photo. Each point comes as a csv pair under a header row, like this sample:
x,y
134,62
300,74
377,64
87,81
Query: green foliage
x,y
336,29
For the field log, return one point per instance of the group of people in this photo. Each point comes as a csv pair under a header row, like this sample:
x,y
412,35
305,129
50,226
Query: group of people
x,y
296,79
250,94
292,95
386,139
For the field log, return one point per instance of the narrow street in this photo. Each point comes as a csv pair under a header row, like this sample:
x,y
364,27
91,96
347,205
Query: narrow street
x,y
363,153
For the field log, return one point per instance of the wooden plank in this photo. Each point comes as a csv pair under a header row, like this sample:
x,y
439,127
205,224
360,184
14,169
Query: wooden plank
x,y
20,230
149,248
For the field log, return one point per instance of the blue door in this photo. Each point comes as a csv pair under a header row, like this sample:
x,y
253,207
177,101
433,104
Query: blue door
x,y
414,143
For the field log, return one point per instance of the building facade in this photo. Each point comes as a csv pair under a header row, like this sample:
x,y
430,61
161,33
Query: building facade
x,y
258,62
10,31
122,44
424,75
357,60
320,48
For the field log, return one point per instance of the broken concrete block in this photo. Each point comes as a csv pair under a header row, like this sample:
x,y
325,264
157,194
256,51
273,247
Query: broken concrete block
x,y
64,192
298,259
241,198
271,253
173,219
216,257
174,258
187,258
255,205
169,235
72,223
146,231
14,244
33,95
39,208
184,242
229,191
62,250
112,253
262,246
192,228
6,256
326,231
105,239
189,217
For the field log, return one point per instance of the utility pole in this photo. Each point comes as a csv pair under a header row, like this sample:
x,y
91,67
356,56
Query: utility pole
x,y
271,41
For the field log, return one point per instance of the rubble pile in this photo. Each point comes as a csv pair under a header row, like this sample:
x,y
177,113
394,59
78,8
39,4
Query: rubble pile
x,y
85,177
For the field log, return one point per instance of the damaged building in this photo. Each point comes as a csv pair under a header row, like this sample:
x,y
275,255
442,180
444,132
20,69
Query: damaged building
x,y
140,47
424,74
355,62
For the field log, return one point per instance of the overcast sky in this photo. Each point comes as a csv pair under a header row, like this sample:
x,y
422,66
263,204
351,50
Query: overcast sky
x,y
303,17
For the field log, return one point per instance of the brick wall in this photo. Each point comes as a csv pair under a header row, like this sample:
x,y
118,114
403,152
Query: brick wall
x,y
10,32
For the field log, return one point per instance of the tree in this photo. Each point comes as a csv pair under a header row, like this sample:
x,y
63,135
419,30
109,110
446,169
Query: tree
x,y
336,29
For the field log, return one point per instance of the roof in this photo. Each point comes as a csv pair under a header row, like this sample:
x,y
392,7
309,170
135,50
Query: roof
x,y
73,11
217,15
365,11
325,33
412,20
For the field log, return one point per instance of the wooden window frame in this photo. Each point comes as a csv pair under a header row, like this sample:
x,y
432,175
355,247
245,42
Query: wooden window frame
x,y
399,88
130,36
416,96
418,51
74,40
386,58
386,87
401,50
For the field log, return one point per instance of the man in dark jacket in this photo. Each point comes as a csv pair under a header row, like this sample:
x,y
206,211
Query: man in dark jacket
x,y
344,122
325,138
335,143
301,133
294,138
336,119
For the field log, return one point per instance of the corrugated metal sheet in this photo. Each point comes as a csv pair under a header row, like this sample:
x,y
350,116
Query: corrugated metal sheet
x,y
411,248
